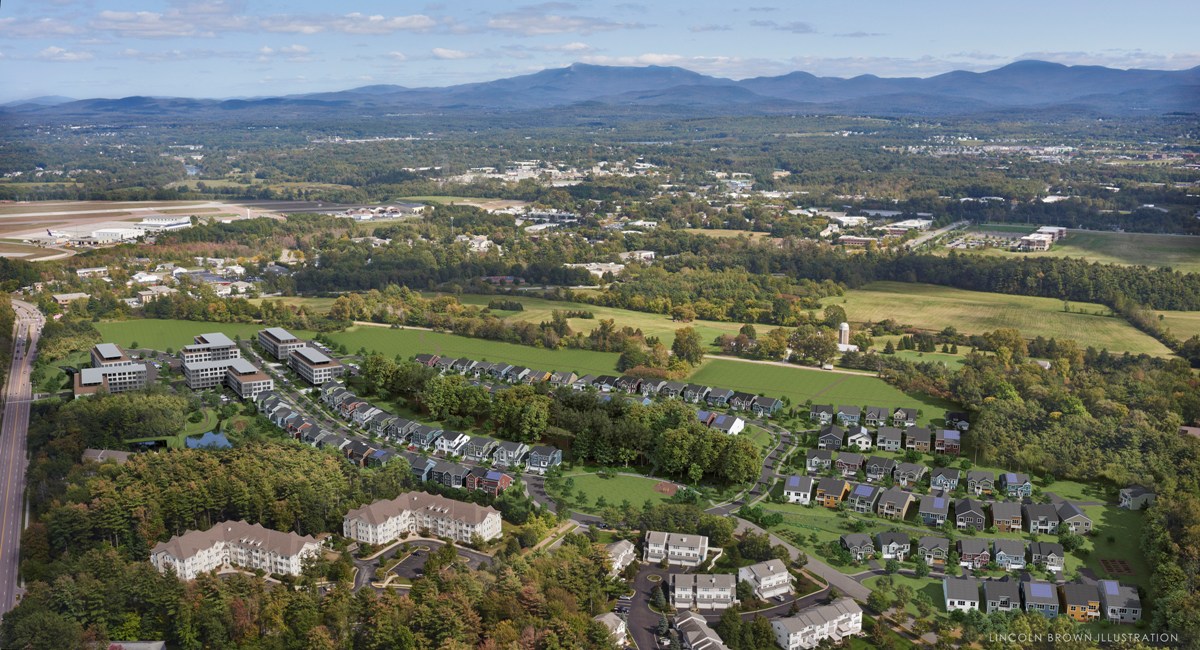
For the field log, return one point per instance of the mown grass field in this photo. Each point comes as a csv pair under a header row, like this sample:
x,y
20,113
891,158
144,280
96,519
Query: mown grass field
x,y
1183,324
1180,252
634,489
721,233
821,386
934,307
406,343
160,334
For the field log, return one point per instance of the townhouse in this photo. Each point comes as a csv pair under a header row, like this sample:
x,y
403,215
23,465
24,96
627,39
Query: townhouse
x,y
836,621
675,548
768,579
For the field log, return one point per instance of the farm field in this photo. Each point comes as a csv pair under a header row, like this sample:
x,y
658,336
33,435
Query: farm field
x,y
160,334
1183,324
538,310
820,386
1180,252
634,489
409,342
934,308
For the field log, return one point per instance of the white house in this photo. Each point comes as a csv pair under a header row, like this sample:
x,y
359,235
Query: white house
x,y
388,520
234,544
675,548
768,579
836,621
798,489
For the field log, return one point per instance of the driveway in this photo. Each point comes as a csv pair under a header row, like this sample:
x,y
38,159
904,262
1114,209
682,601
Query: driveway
x,y
642,621
413,566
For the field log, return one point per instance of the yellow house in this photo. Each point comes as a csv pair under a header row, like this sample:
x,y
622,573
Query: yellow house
x,y
1080,602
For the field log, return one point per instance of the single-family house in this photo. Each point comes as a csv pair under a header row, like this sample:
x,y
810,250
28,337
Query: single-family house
x,y
918,439
510,454
765,407
741,401
1080,601
451,443
1006,516
863,498
944,478
1015,486
716,397
1047,554
960,594
821,413
848,463
768,579
894,503
934,510
878,468
1039,596
1119,603
489,481
831,491
889,439
424,436
818,460
934,550
628,384
860,546
603,383
651,387
583,383
893,545
1041,518
904,417
1002,595
957,420
1072,517
479,448
798,489
876,416
858,438
696,392
848,415
968,513
543,458
973,553
981,482
672,390
1136,497
451,475
831,437
1009,554
909,474
948,441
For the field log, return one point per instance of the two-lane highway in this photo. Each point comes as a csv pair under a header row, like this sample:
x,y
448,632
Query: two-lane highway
x,y
15,426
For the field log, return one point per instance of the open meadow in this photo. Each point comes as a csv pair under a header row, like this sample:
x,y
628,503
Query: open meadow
x,y
1180,252
160,334
932,307
1183,324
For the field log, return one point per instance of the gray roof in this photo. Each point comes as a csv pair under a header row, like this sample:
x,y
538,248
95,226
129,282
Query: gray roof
x,y
1006,510
1046,548
1010,547
1068,510
1041,510
1039,592
961,589
853,540
963,506
949,472
280,334
108,350
980,475
890,537
895,496
818,616
972,546
1115,594
931,543
935,504
888,433
312,355
998,589
1076,593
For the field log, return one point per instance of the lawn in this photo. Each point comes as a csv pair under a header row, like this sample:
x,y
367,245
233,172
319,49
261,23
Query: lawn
x,y
953,361
722,233
1183,324
406,343
203,426
635,489
760,437
933,308
312,305
160,334
820,386
539,310
1180,252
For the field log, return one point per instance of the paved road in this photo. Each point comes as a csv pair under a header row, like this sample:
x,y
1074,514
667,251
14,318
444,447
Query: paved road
x,y
913,243
15,427
414,565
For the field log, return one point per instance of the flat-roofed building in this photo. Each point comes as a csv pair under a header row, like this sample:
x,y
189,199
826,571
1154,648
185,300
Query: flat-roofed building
x,y
113,378
246,379
108,354
840,619
201,375
236,544
279,342
314,366
209,347
385,521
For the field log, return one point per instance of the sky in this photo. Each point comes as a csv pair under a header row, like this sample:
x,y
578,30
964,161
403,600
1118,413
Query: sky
x,y
246,48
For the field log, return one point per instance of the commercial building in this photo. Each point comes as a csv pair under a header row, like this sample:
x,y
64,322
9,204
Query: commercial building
x,y
113,378
279,342
108,354
209,347
314,366
385,521
234,544
247,380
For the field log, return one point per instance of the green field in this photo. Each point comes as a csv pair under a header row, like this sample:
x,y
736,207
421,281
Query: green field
x,y
406,343
635,489
821,386
160,334
933,308
722,233
311,305
1183,324
1180,252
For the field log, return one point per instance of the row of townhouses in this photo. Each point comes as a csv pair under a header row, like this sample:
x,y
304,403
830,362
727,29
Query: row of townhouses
x,y
875,416
1083,602
833,437
973,553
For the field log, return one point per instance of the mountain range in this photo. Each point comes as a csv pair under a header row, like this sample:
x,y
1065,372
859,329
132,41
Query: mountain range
x,y
1021,87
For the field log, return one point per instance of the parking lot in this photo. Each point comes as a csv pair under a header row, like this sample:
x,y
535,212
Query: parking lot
x,y
413,566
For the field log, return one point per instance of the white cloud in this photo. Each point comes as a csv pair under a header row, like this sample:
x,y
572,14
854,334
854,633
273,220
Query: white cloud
x,y
859,34
353,23
795,27
448,54
55,53
537,20
709,28
39,28
397,56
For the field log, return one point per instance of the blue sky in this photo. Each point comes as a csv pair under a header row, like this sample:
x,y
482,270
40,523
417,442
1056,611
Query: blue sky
x,y
230,48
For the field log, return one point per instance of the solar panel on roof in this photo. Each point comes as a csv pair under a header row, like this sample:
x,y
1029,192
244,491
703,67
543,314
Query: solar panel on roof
x,y
1110,587
862,490
939,502
1040,589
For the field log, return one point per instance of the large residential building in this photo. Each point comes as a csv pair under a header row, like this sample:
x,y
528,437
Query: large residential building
x,y
237,544
314,366
385,521
769,579
840,619
703,591
247,380
279,342
206,374
677,549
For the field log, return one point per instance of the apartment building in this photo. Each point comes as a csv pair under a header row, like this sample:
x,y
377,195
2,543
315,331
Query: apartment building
x,y
209,347
314,366
677,549
279,342
235,544
388,520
